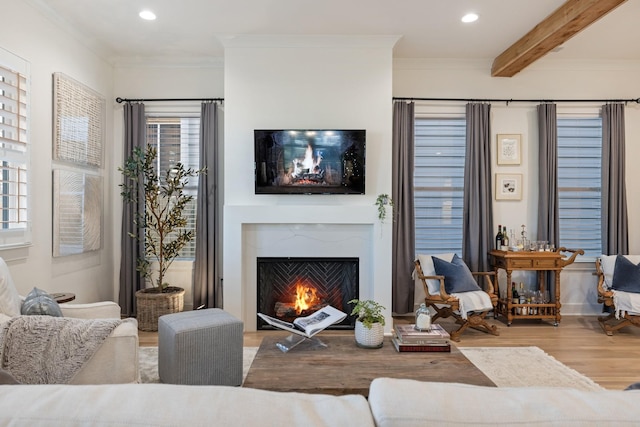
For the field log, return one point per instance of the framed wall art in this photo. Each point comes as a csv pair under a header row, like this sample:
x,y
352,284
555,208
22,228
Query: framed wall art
x,y
78,122
509,148
508,186
77,212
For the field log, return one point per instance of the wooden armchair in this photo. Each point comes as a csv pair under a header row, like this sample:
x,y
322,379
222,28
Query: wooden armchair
x,y
469,308
624,307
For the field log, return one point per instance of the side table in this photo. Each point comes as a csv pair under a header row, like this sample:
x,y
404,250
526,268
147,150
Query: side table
x,y
63,297
542,262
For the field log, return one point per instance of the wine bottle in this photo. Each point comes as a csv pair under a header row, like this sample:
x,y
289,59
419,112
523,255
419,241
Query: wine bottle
x,y
499,238
523,299
505,238
514,297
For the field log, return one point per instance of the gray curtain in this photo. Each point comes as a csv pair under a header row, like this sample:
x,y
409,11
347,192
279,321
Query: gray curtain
x,y
403,240
615,239
477,221
207,287
135,135
548,217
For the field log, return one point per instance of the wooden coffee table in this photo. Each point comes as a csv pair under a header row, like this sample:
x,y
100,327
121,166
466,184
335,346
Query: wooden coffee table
x,y
343,368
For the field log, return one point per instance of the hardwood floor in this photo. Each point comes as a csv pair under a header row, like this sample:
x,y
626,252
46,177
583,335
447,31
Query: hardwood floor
x,y
578,342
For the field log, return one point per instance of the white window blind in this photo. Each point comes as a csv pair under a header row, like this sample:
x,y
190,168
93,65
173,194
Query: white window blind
x,y
15,228
439,184
579,183
177,140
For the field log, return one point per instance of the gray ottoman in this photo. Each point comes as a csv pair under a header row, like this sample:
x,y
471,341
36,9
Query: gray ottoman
x,y
202,347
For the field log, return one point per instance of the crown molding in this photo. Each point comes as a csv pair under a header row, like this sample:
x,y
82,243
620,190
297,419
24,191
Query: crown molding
x,y
309,41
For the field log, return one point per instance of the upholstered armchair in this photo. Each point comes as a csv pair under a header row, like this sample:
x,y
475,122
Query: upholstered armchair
x,y
619,290
450,289
114,361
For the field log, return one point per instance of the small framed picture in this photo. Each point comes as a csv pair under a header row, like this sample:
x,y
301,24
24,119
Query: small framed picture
x,y
509,147
508,186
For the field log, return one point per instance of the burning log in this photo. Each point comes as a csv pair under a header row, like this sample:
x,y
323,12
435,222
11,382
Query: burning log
x,y
287,310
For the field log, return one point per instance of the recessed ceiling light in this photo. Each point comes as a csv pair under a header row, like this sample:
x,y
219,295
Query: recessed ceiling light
x,y
147,15
469,17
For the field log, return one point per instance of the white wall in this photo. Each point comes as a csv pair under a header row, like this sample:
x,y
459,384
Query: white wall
x,y
49,49
305,83
546,79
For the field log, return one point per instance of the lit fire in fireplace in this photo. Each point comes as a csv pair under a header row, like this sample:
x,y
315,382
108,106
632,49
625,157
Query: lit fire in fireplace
x,y
306,297
303,299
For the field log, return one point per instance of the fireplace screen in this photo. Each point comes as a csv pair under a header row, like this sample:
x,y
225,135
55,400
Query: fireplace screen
x,y
296,287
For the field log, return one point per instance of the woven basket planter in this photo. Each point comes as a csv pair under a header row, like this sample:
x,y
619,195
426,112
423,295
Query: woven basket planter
x,y
369,338
151,304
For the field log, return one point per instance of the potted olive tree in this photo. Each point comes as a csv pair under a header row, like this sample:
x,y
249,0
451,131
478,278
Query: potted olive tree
x,y
163,230
369,329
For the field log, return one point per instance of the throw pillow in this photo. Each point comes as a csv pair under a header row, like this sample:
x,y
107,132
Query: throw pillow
x,y
457,276
626,276
7,378
38,302
426,263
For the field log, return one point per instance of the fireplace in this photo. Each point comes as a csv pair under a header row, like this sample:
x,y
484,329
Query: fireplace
x,y
295,287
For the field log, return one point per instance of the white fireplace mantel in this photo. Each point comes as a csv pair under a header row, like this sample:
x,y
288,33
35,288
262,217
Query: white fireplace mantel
x,y
309,231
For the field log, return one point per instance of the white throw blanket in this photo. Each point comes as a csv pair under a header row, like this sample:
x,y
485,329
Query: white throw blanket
x,y
50,350
473,301
626,302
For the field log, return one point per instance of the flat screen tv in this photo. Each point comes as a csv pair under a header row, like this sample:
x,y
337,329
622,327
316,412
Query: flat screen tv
x,y
309,161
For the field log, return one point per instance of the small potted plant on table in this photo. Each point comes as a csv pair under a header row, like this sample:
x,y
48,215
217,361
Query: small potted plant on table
x,y
369,329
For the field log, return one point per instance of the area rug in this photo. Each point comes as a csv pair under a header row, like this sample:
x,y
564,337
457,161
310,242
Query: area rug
x,y
525,367
148,362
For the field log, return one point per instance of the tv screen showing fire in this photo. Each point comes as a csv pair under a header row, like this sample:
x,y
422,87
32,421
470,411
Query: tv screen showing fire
x,y
303,161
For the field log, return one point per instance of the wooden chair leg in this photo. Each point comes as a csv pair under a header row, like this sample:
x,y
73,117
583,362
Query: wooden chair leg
x,y
605,326
455,335
609,326
441,312
478,321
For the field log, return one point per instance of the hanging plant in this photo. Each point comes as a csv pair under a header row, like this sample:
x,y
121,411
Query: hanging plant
x,y
381,202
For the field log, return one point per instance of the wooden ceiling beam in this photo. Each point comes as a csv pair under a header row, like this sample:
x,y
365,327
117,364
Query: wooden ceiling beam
x,y
565,22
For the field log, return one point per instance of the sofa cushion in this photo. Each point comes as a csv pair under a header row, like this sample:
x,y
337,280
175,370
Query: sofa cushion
x,y
9,298
457,276
407,403
38,302
176,405
426,263
626,276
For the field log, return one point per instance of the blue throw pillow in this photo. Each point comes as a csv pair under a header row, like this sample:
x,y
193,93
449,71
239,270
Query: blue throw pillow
x,y
626,276
457,276
38,302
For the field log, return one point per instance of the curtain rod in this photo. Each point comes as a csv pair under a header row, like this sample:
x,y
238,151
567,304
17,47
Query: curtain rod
x,y
507,101
121,100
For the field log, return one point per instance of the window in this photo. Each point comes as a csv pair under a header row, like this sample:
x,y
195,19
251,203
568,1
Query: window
x,y
177,140
439,184
15,228
579,183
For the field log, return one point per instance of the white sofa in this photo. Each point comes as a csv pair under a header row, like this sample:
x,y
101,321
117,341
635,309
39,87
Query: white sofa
x,y
116,361
392,402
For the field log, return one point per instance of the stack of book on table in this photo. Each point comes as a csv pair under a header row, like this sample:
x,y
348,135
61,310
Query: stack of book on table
x,y
408,338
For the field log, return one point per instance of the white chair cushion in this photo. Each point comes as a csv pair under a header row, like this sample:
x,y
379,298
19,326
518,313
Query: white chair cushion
x,y
608,264
426,263
10,301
